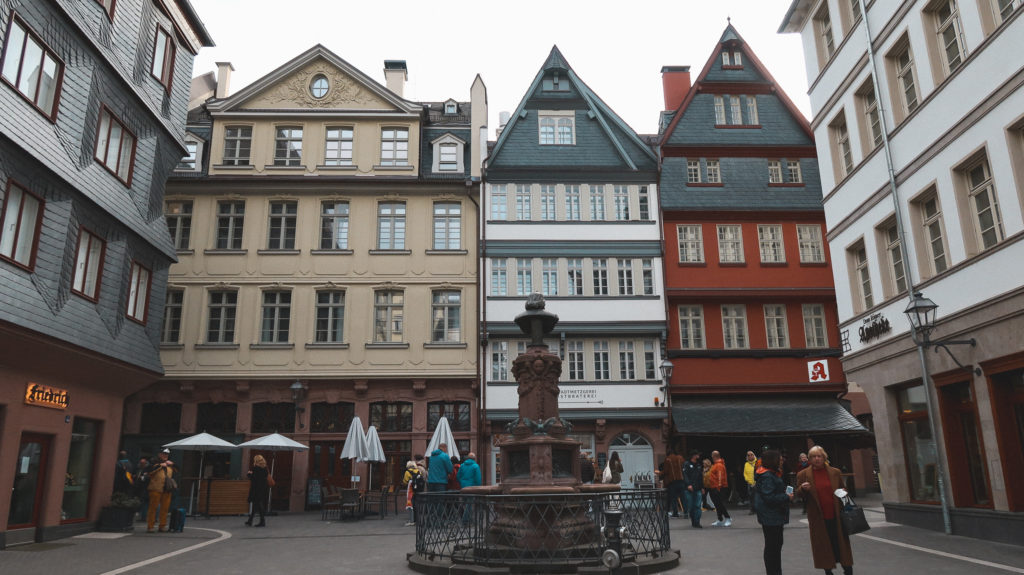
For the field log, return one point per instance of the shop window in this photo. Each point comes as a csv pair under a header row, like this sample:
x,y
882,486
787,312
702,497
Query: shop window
x,y
387,417
216,418
78,478
457,413
164,418
273,417
918,444
331,417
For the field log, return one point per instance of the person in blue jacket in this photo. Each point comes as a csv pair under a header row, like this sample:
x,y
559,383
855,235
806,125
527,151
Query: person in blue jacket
x,y
438,469
469,472
771,502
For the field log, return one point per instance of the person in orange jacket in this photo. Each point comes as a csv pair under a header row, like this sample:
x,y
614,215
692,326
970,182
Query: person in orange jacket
x,y
718,479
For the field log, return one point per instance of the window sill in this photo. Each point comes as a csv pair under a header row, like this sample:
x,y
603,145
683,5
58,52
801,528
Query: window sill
x,y
215,346
390,252
732,264
814,264
774,264
269,252
383,345
274,168
271,346
218,252
692,264
172,346
405,168
240,168
737,126
446,252
445,345
188,252
704,185
342,168
785,184
331,252
325,345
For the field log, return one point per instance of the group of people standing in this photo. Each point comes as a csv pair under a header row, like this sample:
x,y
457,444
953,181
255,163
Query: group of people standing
x,y
444,473
688,481
152,483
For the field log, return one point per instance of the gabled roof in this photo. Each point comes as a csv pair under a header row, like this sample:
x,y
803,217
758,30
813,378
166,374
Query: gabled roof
x,y
394,102
732,40
627,145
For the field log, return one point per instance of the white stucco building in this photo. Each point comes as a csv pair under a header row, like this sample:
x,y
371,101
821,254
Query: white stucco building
x,y
938,93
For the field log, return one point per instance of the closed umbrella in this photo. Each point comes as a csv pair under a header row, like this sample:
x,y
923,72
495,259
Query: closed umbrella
x,y
201,442
274,442
443,434
374,452
355,443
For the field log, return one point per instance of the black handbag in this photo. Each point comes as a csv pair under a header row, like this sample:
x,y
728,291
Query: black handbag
x,y
852,517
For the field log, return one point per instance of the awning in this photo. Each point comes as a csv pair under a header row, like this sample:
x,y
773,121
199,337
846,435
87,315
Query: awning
x,y
764,416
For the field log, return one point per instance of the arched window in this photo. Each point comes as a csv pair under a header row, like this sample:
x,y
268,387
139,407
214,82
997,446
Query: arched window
x,y
630,440
457,413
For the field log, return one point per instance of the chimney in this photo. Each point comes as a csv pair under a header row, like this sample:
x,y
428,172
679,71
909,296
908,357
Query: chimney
x,y
224,70
675,82
502,120
395,76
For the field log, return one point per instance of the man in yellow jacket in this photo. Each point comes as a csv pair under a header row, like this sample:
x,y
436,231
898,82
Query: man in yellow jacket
x,y
748,476
159,491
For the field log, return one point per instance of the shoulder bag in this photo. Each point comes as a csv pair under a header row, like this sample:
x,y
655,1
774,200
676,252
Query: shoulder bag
x,y
852,517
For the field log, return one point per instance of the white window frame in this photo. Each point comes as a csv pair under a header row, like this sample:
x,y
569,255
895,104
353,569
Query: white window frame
x,y
691,327
388,316
499,276
339,142
730,243
714,168
597,211
734,326
774,172
547,202
524,208
811,243
499,202
275,308
862,276
600,275
620,196
556,128
625,276
329,316
691,243
334,223
776,326
841,142
179,222
815,332
752,117
447,226
281,222
446,316
736,111
793,171
391,225
771,243
575,360
894,257
949,35
174,309
237,145
720,111
934,233
394,146
222,314
288,145
549,276
139,284
190,161
602,361
572,203
448,154
524,276
627,360
499,361
574,276
647,268
693,172
230,224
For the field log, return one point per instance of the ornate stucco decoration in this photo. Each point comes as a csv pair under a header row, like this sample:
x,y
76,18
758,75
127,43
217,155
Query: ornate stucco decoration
x,y
343,91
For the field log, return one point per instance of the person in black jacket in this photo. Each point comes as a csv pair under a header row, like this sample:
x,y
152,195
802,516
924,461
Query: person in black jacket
x,y
259,490
771,502
693,482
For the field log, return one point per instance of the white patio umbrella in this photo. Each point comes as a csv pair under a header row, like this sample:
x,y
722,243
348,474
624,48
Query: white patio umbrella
x,y
374,452
274,442
355,443
201,442
443,434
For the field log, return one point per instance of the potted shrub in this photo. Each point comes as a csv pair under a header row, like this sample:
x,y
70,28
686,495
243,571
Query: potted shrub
x,y
119,516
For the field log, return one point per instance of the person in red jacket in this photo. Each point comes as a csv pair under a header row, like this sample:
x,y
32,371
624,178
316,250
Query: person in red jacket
x,y
718,479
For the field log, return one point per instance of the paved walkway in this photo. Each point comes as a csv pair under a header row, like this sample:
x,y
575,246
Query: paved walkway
x,y
302,543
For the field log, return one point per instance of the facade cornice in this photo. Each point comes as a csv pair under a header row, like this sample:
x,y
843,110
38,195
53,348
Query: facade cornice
x,y
751,214
711,151
744,293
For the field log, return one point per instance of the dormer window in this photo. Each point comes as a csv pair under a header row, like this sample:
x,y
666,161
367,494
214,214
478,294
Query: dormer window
x,y
557,128
448,154
556,82
451,107
732,59
190,161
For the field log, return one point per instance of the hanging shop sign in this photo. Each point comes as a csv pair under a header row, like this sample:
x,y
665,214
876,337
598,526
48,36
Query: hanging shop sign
x,y
875,325
46,396
817,371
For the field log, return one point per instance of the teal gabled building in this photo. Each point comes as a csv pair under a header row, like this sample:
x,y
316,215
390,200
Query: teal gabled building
x,y
570,207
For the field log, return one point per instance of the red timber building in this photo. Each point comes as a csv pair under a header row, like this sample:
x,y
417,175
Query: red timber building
x,y
753,329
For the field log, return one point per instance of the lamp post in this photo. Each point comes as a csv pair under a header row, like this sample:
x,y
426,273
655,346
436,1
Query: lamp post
x,y
298,393
921,313
666,376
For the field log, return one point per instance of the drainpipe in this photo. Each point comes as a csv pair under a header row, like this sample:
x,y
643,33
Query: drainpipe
x,y
929,391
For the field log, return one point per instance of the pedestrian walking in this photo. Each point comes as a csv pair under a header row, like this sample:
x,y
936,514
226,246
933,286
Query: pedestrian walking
x,y
259,489
672,477
615,465
771,501
469,472
718,479
415,482
830,544
706,500
439,469
693,480
749,466
160,489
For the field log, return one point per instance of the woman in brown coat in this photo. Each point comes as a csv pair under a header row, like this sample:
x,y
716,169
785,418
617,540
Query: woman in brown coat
x,y
829,543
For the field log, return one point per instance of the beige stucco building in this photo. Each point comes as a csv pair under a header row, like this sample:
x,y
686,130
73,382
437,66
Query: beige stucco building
x,y
327,268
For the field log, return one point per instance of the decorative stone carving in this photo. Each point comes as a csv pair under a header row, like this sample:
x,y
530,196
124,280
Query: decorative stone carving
x,y
344,91
537,372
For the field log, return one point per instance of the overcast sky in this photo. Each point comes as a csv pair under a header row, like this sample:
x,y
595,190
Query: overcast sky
x,y
617,52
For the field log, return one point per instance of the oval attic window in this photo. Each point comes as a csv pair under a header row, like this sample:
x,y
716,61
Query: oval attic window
x,y
318,87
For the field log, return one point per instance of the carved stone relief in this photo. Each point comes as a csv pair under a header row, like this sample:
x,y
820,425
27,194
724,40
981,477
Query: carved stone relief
x,y
343,92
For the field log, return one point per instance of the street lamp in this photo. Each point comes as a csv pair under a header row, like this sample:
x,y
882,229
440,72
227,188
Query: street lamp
x,y
666,374
921,314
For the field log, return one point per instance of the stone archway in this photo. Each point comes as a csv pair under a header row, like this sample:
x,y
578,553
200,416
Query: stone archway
x,y
637,457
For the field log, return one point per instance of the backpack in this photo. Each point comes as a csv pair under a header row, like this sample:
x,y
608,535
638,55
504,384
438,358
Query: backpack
x,y
418,483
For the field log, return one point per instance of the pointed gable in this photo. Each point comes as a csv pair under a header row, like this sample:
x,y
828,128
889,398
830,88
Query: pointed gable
x,y
562,124
316,79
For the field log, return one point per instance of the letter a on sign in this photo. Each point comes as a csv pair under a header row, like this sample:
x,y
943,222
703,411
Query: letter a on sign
x,y
817,371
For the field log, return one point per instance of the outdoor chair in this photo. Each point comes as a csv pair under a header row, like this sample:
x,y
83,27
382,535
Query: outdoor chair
x,y
350,502
377,500
331,504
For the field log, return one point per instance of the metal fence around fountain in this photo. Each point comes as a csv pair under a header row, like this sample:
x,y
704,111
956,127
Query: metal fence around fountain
x,y
462,528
